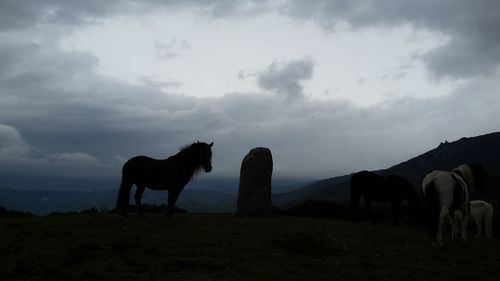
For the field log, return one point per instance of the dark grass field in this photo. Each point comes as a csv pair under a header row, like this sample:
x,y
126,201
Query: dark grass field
x,y
226,247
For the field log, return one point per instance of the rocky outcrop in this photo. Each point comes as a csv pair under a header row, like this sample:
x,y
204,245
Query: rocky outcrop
x,y
254,194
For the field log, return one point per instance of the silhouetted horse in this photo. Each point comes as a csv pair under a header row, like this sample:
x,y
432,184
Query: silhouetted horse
x,y
447,194
377,188
170,174
481,213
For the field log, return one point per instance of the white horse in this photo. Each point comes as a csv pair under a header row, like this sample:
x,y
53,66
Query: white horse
x,y
482,214
448,194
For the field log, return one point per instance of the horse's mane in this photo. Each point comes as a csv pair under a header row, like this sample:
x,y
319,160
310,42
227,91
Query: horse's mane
x,y
191,147
187,152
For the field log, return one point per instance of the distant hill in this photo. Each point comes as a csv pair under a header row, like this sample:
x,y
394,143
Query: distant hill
x,y
43,195
42,202
483,150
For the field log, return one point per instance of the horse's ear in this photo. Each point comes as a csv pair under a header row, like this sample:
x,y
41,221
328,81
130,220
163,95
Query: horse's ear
x,y
211,144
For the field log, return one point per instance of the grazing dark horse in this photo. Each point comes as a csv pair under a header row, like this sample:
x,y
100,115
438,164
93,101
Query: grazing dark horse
x,y
377,188
170,174
447,197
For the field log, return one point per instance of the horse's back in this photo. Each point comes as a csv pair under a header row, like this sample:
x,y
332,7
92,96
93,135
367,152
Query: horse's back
x,y
142,166
359,180
397,183
401,187
439,178
370,185
443,182
137,162
364,177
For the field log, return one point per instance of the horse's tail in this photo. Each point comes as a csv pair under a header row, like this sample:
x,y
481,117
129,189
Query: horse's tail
x,y
488,218
432,208
123,196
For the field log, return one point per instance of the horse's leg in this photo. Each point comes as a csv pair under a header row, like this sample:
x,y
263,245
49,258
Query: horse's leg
x,y
488,215
459,228
355,197
396,209
454,224
368,209
462,220
173,194
138,197
443,215
455,231
124,196
479,226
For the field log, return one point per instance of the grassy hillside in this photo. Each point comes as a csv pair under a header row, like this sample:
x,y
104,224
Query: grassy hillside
x,y
226,247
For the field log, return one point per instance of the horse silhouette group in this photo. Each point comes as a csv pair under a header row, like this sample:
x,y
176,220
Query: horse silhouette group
x,y
446,195
446,198
392,188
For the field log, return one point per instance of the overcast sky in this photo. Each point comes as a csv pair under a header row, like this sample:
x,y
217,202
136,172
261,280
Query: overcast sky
x,y
331,87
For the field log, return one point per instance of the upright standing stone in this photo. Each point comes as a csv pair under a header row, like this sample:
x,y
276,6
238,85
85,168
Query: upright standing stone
x,y
254,194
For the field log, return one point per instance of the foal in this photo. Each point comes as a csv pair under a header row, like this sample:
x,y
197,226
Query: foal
x,y
482,214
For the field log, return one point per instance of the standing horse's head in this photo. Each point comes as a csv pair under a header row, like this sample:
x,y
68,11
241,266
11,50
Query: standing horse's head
x,y
206,156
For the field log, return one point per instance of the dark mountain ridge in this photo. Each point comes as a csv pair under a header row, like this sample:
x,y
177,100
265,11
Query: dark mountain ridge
x,y
484,150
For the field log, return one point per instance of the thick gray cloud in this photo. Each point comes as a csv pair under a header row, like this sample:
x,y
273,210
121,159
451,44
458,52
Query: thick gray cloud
x,y
472,26
286,79
473,47
66,115
331,137
26,14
